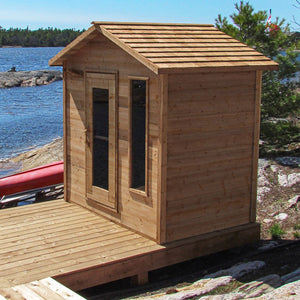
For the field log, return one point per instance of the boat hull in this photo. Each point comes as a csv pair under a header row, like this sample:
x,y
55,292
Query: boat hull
x,y
43,176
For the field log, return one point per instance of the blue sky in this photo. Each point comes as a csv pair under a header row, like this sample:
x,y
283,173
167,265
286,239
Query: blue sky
x,y
79,13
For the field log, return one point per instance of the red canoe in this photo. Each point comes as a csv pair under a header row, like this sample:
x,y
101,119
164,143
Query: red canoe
x,y
43,176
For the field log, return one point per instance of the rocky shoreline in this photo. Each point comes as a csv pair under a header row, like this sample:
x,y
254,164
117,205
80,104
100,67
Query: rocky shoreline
x,y
11,79
33,158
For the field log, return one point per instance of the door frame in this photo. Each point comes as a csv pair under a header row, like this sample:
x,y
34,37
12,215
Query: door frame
x,y
106,198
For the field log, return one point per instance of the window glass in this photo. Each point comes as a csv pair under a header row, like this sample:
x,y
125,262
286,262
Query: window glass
x,y
138,134
100,137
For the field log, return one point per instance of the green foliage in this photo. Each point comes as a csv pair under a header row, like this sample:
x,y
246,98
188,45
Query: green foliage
x,y
296,235
50,37
276,231
279,98
279,133
297,227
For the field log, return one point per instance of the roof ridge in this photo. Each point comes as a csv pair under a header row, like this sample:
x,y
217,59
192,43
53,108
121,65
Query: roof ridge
x,y
149,23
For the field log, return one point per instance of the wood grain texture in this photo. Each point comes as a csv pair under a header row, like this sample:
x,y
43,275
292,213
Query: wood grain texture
x,y
43,289
162,163
65,128
202,126
157,258
81,249
141,39
104,81
256,133
136,211
58,238
210,152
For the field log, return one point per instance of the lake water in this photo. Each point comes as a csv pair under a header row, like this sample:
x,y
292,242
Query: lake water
x,y
29,116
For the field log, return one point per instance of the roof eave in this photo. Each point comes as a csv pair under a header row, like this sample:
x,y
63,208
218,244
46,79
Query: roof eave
x,y
237,68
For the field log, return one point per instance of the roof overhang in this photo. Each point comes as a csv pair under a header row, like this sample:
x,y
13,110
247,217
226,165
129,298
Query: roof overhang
x,y
173,48
73,47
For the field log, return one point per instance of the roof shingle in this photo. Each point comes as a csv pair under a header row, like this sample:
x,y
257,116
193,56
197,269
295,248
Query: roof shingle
x,y
166,48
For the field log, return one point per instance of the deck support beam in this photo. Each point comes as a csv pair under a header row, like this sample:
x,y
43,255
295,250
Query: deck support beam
x,y
140,279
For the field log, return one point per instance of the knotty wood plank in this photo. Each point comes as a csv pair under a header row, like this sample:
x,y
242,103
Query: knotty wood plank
x,y
56,229
28,210
60,242
27,293
43,291
36,221
84,261
66,255
60,289
9,293
38,212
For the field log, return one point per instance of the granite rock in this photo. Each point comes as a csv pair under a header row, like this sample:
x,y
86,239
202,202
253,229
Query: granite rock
x,y
29,78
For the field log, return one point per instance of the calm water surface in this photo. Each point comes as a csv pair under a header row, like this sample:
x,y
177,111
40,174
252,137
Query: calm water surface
x,y
29,116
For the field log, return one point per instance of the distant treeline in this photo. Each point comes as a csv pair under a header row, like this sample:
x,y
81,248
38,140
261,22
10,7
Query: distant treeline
x,y
50,37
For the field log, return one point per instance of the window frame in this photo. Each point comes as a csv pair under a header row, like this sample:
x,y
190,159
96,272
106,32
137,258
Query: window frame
x,y
96,195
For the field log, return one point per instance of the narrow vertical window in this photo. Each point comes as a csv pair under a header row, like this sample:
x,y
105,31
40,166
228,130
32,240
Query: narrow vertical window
x,y
138,133
100,134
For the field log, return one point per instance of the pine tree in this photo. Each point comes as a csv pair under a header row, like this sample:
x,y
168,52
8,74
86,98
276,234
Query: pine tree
x,y
279,97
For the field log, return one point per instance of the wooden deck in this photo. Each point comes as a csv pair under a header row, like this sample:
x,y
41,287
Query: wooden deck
x,y
44,289
81,249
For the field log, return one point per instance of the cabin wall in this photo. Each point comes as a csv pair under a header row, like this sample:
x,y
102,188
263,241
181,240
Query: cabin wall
x,y
135,211
210,150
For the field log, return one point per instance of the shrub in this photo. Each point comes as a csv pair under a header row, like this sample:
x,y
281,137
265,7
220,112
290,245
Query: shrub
x,y
276,231
296,235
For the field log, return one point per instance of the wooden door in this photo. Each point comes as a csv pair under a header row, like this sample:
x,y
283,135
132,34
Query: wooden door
x,y
101,157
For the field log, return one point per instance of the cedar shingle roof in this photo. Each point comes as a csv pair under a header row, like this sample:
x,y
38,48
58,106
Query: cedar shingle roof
x,y
166,48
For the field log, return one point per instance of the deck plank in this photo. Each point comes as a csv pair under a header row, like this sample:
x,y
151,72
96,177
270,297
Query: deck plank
x,y
82,249
44,289
43,240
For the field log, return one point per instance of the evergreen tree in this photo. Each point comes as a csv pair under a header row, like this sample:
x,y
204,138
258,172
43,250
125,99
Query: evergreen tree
x,y
37,38
279,97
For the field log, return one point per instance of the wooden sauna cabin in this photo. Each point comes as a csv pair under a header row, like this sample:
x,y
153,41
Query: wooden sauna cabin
x,y
161,129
